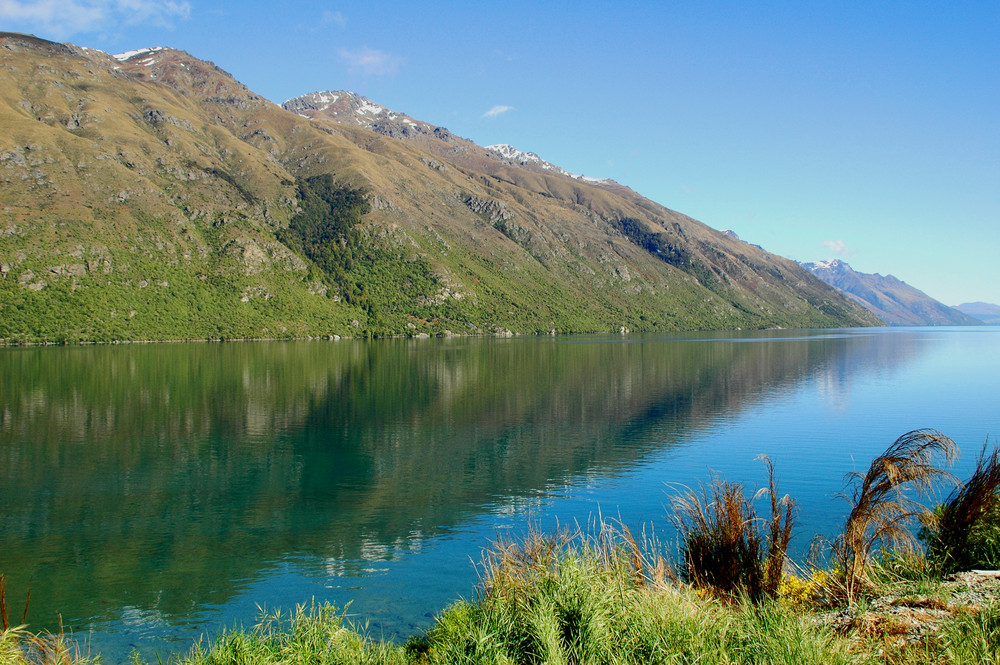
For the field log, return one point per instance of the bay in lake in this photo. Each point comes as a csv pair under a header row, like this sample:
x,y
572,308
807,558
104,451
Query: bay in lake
x,y
150,494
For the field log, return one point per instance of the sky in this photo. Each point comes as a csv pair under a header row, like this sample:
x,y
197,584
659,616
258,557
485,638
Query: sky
x,y
868,132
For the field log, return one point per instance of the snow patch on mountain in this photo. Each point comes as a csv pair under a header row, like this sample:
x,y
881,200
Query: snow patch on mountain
x,y
833,264
369,107
325,100
509,152
350,107
128,55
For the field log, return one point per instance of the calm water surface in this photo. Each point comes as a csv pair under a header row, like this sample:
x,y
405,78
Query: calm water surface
x,y
152,494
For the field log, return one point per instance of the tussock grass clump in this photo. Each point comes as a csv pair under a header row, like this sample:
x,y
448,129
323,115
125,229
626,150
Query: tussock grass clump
x,y
19,646
882,505
555,598
726,546
964,531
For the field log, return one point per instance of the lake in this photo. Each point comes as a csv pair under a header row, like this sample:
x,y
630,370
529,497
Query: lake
x,y
150,494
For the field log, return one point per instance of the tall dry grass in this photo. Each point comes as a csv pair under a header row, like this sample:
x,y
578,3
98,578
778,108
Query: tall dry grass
x,y
4,617
883,502
19,646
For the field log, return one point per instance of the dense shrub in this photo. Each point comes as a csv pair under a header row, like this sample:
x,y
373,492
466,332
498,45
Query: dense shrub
x,y
324,230
964,531
726,546
392,285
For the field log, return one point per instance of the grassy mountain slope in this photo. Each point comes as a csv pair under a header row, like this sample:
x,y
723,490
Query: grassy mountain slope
x,y
145,198
130,213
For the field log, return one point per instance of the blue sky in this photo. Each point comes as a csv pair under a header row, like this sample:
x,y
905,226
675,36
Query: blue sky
x,y
863,131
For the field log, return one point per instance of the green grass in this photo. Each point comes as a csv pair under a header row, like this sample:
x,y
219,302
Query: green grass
x,y
313,635
582,599
974,638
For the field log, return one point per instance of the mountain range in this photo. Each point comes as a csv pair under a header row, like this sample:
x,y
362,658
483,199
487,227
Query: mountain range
x,y
986,312
892,300
151,195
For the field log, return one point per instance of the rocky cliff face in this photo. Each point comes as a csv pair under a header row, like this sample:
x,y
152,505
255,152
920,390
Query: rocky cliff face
x,y
146,196
353,109
892,300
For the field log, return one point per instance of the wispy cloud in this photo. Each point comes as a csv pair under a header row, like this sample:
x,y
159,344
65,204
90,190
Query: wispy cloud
x,y
59,19
334,18
371,62
838,247
497,110
156,12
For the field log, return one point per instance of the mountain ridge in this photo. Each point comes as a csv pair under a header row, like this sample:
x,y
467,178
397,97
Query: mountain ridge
x,y
889,298
154,196
984,311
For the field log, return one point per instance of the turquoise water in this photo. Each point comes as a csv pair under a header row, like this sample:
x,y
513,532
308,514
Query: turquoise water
x,y
152,494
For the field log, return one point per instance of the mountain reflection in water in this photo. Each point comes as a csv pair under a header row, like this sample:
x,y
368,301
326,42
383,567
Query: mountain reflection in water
x,y
152,483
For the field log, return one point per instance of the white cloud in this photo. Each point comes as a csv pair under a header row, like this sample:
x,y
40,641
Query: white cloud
x,y
497,110
838,247
59,19
371,62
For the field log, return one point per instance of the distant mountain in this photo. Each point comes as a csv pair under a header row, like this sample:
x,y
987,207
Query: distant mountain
x,y
151,195
984,311
892,300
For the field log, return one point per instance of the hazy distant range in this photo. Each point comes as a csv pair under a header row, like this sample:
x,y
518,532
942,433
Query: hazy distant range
x,y
898,303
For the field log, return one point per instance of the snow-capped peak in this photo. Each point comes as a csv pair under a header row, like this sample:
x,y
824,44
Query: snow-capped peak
x,y
355,103
327,99
320,101
508,151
